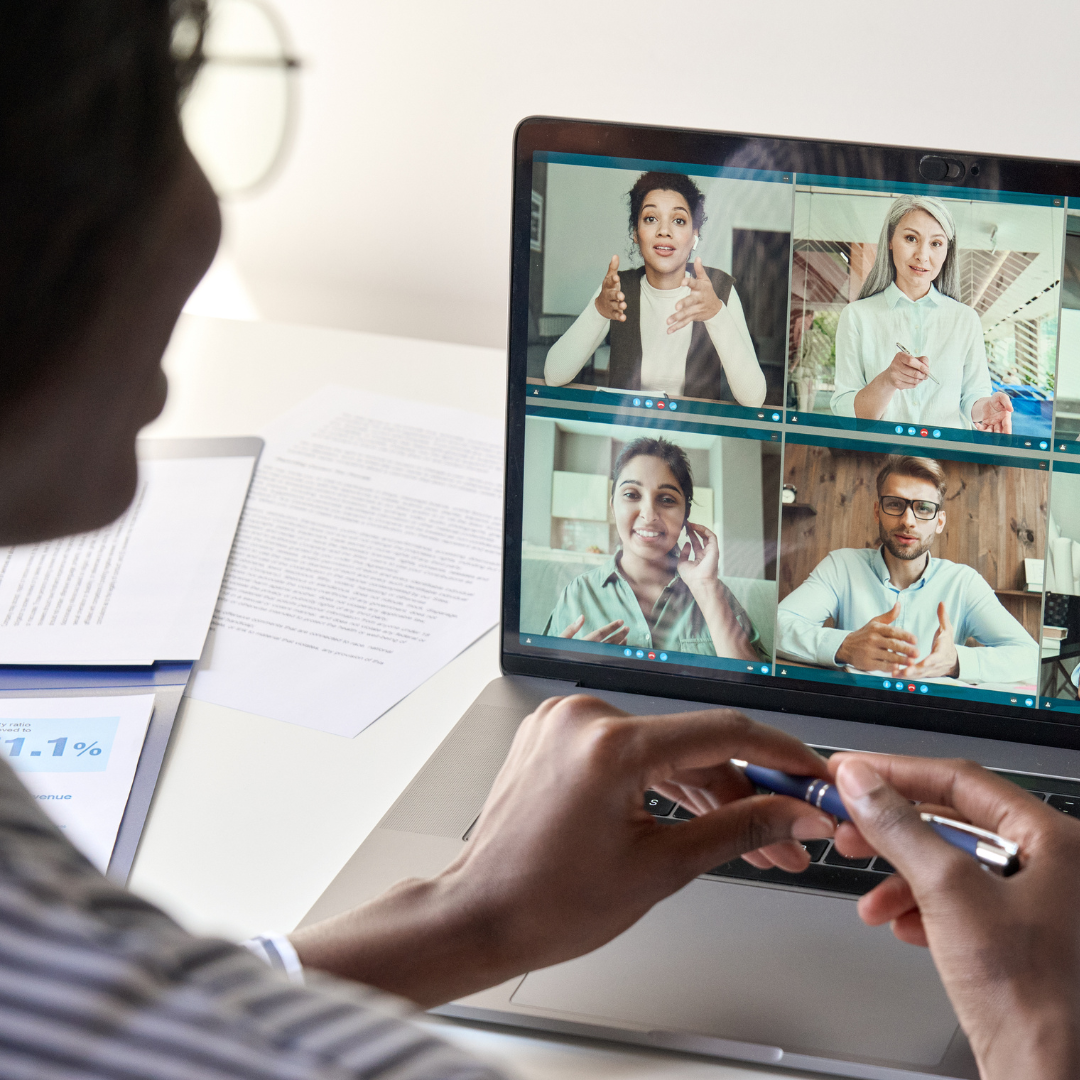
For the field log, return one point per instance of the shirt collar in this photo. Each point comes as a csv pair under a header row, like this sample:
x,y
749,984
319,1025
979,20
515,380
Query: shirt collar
x,y
894,295
881,568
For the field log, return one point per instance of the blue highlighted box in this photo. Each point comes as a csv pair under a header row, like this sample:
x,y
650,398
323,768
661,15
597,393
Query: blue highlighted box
x,y
81,744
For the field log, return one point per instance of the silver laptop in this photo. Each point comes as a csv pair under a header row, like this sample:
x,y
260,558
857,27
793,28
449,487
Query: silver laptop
x,y
867,407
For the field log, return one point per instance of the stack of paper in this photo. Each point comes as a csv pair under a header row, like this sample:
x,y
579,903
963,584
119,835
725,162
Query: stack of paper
x,y
98,633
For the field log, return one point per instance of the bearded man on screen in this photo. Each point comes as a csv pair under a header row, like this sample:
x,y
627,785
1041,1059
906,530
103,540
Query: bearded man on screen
x,y
896,609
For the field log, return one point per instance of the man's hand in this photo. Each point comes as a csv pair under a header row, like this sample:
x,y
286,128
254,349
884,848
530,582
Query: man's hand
x,y
1007,949
993,413
942,658
905,372
614,633
611,303
702,303
879,646
564,856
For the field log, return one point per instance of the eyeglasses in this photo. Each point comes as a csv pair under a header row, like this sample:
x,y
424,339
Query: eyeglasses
x,y
239,113
923,509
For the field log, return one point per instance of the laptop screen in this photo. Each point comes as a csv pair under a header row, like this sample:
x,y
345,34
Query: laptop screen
x,y
795,425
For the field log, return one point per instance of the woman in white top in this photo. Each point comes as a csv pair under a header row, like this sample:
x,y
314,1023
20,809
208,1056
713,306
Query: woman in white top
x,y
908,349
671,332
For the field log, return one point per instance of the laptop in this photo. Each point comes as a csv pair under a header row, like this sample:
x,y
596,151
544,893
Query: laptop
x,y
868,407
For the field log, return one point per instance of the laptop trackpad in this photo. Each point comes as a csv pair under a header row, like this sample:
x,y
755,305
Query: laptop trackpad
x,y
760,965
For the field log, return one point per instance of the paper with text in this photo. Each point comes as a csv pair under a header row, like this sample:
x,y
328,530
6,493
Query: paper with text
x,y
77,757
368,556
139,590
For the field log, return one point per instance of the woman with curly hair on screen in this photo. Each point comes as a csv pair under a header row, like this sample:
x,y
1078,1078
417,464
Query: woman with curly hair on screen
x,y
671,331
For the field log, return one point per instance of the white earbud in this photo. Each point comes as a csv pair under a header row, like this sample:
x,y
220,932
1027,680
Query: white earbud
x,y
696,239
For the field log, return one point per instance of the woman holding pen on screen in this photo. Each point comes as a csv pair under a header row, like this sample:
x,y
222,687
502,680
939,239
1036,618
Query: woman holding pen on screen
x,y
671,331
908,349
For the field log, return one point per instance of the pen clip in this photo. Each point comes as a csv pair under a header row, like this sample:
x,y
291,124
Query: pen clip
x,y
992,850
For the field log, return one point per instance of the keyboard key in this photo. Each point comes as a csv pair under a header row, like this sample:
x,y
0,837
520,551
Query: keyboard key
x,y
816,848
819,876
1067,804
1038,794
657,805
683,814
883,867
834,858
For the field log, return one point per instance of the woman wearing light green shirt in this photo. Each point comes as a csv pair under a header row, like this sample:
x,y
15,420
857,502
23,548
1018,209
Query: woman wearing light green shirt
x,y
652,593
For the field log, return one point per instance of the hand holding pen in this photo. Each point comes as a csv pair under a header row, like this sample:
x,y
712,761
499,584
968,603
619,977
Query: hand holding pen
x,y
908,370
1007,948
992,851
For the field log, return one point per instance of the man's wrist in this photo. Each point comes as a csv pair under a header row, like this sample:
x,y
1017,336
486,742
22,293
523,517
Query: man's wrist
x,y
1042,1041
842,657
430,940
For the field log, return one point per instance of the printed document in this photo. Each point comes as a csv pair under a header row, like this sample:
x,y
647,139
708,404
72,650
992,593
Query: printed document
x,y
141,589
77,757
368,556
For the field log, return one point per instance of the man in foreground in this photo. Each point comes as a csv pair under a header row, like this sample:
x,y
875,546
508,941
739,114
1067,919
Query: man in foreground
x,y
108,225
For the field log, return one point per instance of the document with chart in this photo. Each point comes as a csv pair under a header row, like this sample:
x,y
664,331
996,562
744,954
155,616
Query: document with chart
x,y
77,756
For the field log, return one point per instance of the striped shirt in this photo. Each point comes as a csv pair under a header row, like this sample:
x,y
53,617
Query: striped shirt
x,y
96,983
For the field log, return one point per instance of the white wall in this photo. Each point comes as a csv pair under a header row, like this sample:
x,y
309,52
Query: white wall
x,y
393,211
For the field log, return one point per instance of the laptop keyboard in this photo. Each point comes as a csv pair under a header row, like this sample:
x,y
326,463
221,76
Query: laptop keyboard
x,y
831,872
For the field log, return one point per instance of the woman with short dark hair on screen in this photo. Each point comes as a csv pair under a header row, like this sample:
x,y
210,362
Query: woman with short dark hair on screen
x,y
651,594
671,331
908,350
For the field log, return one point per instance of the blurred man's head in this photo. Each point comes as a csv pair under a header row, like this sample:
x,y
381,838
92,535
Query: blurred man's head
x,y
107,224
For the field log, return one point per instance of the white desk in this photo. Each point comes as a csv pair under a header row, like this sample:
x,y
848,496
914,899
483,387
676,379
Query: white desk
x,y
254,817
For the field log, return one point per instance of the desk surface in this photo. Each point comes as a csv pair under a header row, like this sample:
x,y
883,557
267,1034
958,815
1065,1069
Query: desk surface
x,y
253,817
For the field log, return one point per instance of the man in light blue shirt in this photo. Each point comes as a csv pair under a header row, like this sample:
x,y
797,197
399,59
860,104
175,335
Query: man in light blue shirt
x,y
898,610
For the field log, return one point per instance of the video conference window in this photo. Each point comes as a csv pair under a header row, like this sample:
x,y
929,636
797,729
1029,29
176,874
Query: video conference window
x,y
911,567
654,540
919,310
659,281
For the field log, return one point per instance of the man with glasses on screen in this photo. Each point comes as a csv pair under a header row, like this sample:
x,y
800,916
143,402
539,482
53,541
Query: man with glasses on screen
x,y
898,610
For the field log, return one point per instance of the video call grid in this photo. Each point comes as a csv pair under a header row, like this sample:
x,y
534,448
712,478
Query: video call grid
x,y
800,184
913,437
783,435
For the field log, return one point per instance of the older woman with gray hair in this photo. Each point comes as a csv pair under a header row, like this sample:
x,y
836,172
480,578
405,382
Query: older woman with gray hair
x,y
908,350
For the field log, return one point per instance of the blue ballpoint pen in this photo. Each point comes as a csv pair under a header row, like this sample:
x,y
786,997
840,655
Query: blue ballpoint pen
x,y
993,851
